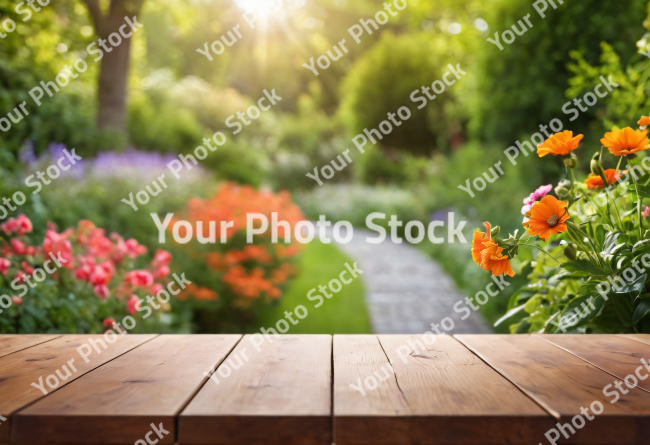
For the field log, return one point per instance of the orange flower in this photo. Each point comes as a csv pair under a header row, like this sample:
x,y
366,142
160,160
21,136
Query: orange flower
x,y
478,240
487,254
626,141
547,217
644,121
493,260
596,182
559,144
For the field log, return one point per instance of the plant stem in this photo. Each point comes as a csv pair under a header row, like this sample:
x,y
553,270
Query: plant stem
x,y
620,158
618,215
541,250
638,205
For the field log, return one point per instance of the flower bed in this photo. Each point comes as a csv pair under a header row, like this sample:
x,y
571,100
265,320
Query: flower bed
x,y
73,281
595,279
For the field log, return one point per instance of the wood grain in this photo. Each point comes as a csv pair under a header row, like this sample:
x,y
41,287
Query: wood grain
x,y
20,369
281,395
443,395
564,383
117,402
643,338
13,343
618,356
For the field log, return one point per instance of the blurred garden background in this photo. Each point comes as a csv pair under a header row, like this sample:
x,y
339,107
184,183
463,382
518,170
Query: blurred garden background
x,y
176,96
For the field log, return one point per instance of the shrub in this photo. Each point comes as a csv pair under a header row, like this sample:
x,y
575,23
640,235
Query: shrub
x,y
232,279
75,281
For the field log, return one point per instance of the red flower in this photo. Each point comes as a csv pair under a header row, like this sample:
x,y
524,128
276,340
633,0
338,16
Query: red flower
x,y
56,243
99,276
109,322
133,304
162,271
162,257
10,226
29,269
157,287
139,278
5,264
102,291
133,249
17,300
24,225
98,245
20,275
19,246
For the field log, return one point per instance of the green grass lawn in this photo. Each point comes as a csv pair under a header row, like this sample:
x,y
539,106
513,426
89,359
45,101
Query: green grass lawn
x,y
344,313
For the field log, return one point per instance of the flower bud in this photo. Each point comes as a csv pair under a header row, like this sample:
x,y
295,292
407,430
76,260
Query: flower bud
x,y
563,188
495,231
597,168
571,161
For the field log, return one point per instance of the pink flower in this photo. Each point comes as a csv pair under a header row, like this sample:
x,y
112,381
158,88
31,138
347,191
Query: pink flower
x,y
19,246
133,249
139,278
109,322
162,257
535,196
24,225
5,264
157,287
646,211
162,271
17,300
102,291
56,244
10,226
99,276
133,304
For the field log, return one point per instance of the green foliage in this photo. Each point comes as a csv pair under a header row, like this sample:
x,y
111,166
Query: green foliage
x,y
382,81
523,86
630,100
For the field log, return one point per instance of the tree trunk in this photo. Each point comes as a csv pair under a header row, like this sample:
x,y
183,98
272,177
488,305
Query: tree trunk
x,y
114,69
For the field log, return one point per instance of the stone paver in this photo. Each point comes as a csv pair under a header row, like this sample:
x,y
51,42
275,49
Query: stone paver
x,y
406,290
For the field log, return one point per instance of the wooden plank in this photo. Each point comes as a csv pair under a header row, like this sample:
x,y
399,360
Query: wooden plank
x,y
117,403
443,395
618,356
10,343
564,384
643,338
20,369
280,395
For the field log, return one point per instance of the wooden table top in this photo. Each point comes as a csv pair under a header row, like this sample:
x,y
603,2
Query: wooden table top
x,y
322,389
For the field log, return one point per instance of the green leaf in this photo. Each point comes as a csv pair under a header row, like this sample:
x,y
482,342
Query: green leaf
x,y
641,311
512,315
624,309
641,246
634,286
522,295
610,242
580,311
644,191
582,266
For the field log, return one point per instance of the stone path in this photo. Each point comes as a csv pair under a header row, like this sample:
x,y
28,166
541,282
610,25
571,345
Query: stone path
x,y
406,290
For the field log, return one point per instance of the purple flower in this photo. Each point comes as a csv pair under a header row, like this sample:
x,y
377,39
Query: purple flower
x,y
26,154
